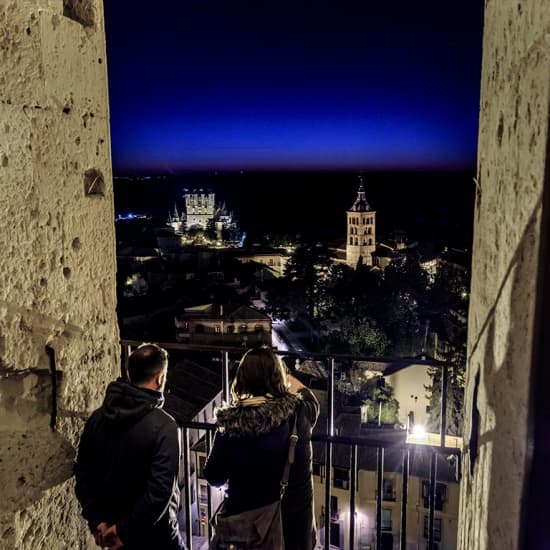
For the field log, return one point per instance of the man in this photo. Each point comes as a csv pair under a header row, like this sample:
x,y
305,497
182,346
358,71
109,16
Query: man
x,y
127,466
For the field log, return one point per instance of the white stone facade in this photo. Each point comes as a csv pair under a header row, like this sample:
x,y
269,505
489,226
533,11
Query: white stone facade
x,y
361,237
200,209
513,148
57,276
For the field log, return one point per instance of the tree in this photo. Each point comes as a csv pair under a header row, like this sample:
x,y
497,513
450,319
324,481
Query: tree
x,y
305,271
379,400
450,292
279,300
405,294
456,361
350,292
358,337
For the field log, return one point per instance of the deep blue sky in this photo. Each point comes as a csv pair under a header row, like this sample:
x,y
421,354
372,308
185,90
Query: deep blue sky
x,y
293,85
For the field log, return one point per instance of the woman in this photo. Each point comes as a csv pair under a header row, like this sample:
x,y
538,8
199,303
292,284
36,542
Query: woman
x,y
251,445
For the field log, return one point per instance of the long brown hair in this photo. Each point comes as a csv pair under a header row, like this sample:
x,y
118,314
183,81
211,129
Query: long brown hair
x,y
260,372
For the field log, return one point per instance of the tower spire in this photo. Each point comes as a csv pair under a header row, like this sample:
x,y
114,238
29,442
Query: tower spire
x,y
360,204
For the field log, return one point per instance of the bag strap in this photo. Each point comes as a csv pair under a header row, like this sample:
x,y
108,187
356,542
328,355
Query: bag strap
x,y
291,454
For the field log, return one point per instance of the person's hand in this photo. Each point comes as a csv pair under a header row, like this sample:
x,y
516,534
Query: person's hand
x,y
294,385
111,538
98,533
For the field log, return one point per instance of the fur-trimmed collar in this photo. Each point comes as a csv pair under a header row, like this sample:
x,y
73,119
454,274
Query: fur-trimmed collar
x,y
239,421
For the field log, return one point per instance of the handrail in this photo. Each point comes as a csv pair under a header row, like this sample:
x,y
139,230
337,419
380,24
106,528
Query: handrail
x,y
424,360
329,439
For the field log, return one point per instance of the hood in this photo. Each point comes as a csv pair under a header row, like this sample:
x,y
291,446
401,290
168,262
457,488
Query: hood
x,y
241,421
125,404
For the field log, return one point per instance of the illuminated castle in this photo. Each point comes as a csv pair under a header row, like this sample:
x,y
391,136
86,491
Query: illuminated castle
x,y
202,214
361,234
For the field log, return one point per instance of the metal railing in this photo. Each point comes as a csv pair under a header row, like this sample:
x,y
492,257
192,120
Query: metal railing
x,y
329,440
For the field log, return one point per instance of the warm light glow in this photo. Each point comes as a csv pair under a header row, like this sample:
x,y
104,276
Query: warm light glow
x,y
418,432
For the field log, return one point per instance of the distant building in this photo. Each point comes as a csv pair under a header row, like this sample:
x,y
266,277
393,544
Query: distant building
x,y
276,261
223,325
361,233
199,208
202,213
195,392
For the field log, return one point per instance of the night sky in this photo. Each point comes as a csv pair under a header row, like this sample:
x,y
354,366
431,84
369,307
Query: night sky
x,y
293,85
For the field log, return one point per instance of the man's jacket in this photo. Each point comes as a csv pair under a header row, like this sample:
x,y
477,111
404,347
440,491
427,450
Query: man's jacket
x,y
127,467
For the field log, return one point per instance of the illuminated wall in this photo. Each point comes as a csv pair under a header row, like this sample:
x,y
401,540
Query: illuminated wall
x,y
512,159
57,275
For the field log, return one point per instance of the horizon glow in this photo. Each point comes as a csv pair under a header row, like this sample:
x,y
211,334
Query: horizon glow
x,y
238,86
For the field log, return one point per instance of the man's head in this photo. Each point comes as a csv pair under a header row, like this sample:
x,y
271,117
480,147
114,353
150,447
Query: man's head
x,y
147,367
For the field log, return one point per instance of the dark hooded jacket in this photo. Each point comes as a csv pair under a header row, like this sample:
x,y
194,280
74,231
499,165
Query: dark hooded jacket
x,y
127,467
249,453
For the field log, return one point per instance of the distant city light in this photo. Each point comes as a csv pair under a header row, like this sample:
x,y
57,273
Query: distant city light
x,y
132,216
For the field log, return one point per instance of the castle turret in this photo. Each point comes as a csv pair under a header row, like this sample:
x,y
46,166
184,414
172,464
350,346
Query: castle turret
x,y
361,234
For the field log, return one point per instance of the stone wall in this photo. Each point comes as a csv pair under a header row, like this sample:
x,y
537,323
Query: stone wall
x,y
57,274
513,136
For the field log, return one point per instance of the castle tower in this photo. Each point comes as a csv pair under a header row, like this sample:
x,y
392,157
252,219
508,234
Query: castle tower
x,y
361,234
200,208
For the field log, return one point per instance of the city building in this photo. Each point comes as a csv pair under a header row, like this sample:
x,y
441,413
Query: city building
x,y
361,231
274,260
194,393
446,501
223,325
349,423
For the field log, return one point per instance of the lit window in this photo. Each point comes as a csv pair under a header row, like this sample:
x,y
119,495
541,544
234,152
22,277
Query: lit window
x,y
341,478
202,463
386,519
437,528
387,491
440,494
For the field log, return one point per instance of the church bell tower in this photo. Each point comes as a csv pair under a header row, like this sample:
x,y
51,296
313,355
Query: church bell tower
x,y
361,234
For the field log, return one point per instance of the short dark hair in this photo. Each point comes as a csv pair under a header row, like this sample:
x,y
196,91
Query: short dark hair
x,y
145,362
260,372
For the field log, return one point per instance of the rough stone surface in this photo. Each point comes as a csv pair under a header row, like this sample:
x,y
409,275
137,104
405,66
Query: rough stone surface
x,y
513,137
57,280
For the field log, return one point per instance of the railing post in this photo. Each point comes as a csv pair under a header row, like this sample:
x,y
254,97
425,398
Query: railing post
x,y
352,490
208,437
328,452
444,390
379,488
225,376
187,490
433,477
404,498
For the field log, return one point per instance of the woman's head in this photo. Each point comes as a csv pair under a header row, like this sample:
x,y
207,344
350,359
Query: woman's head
x,y
260,372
